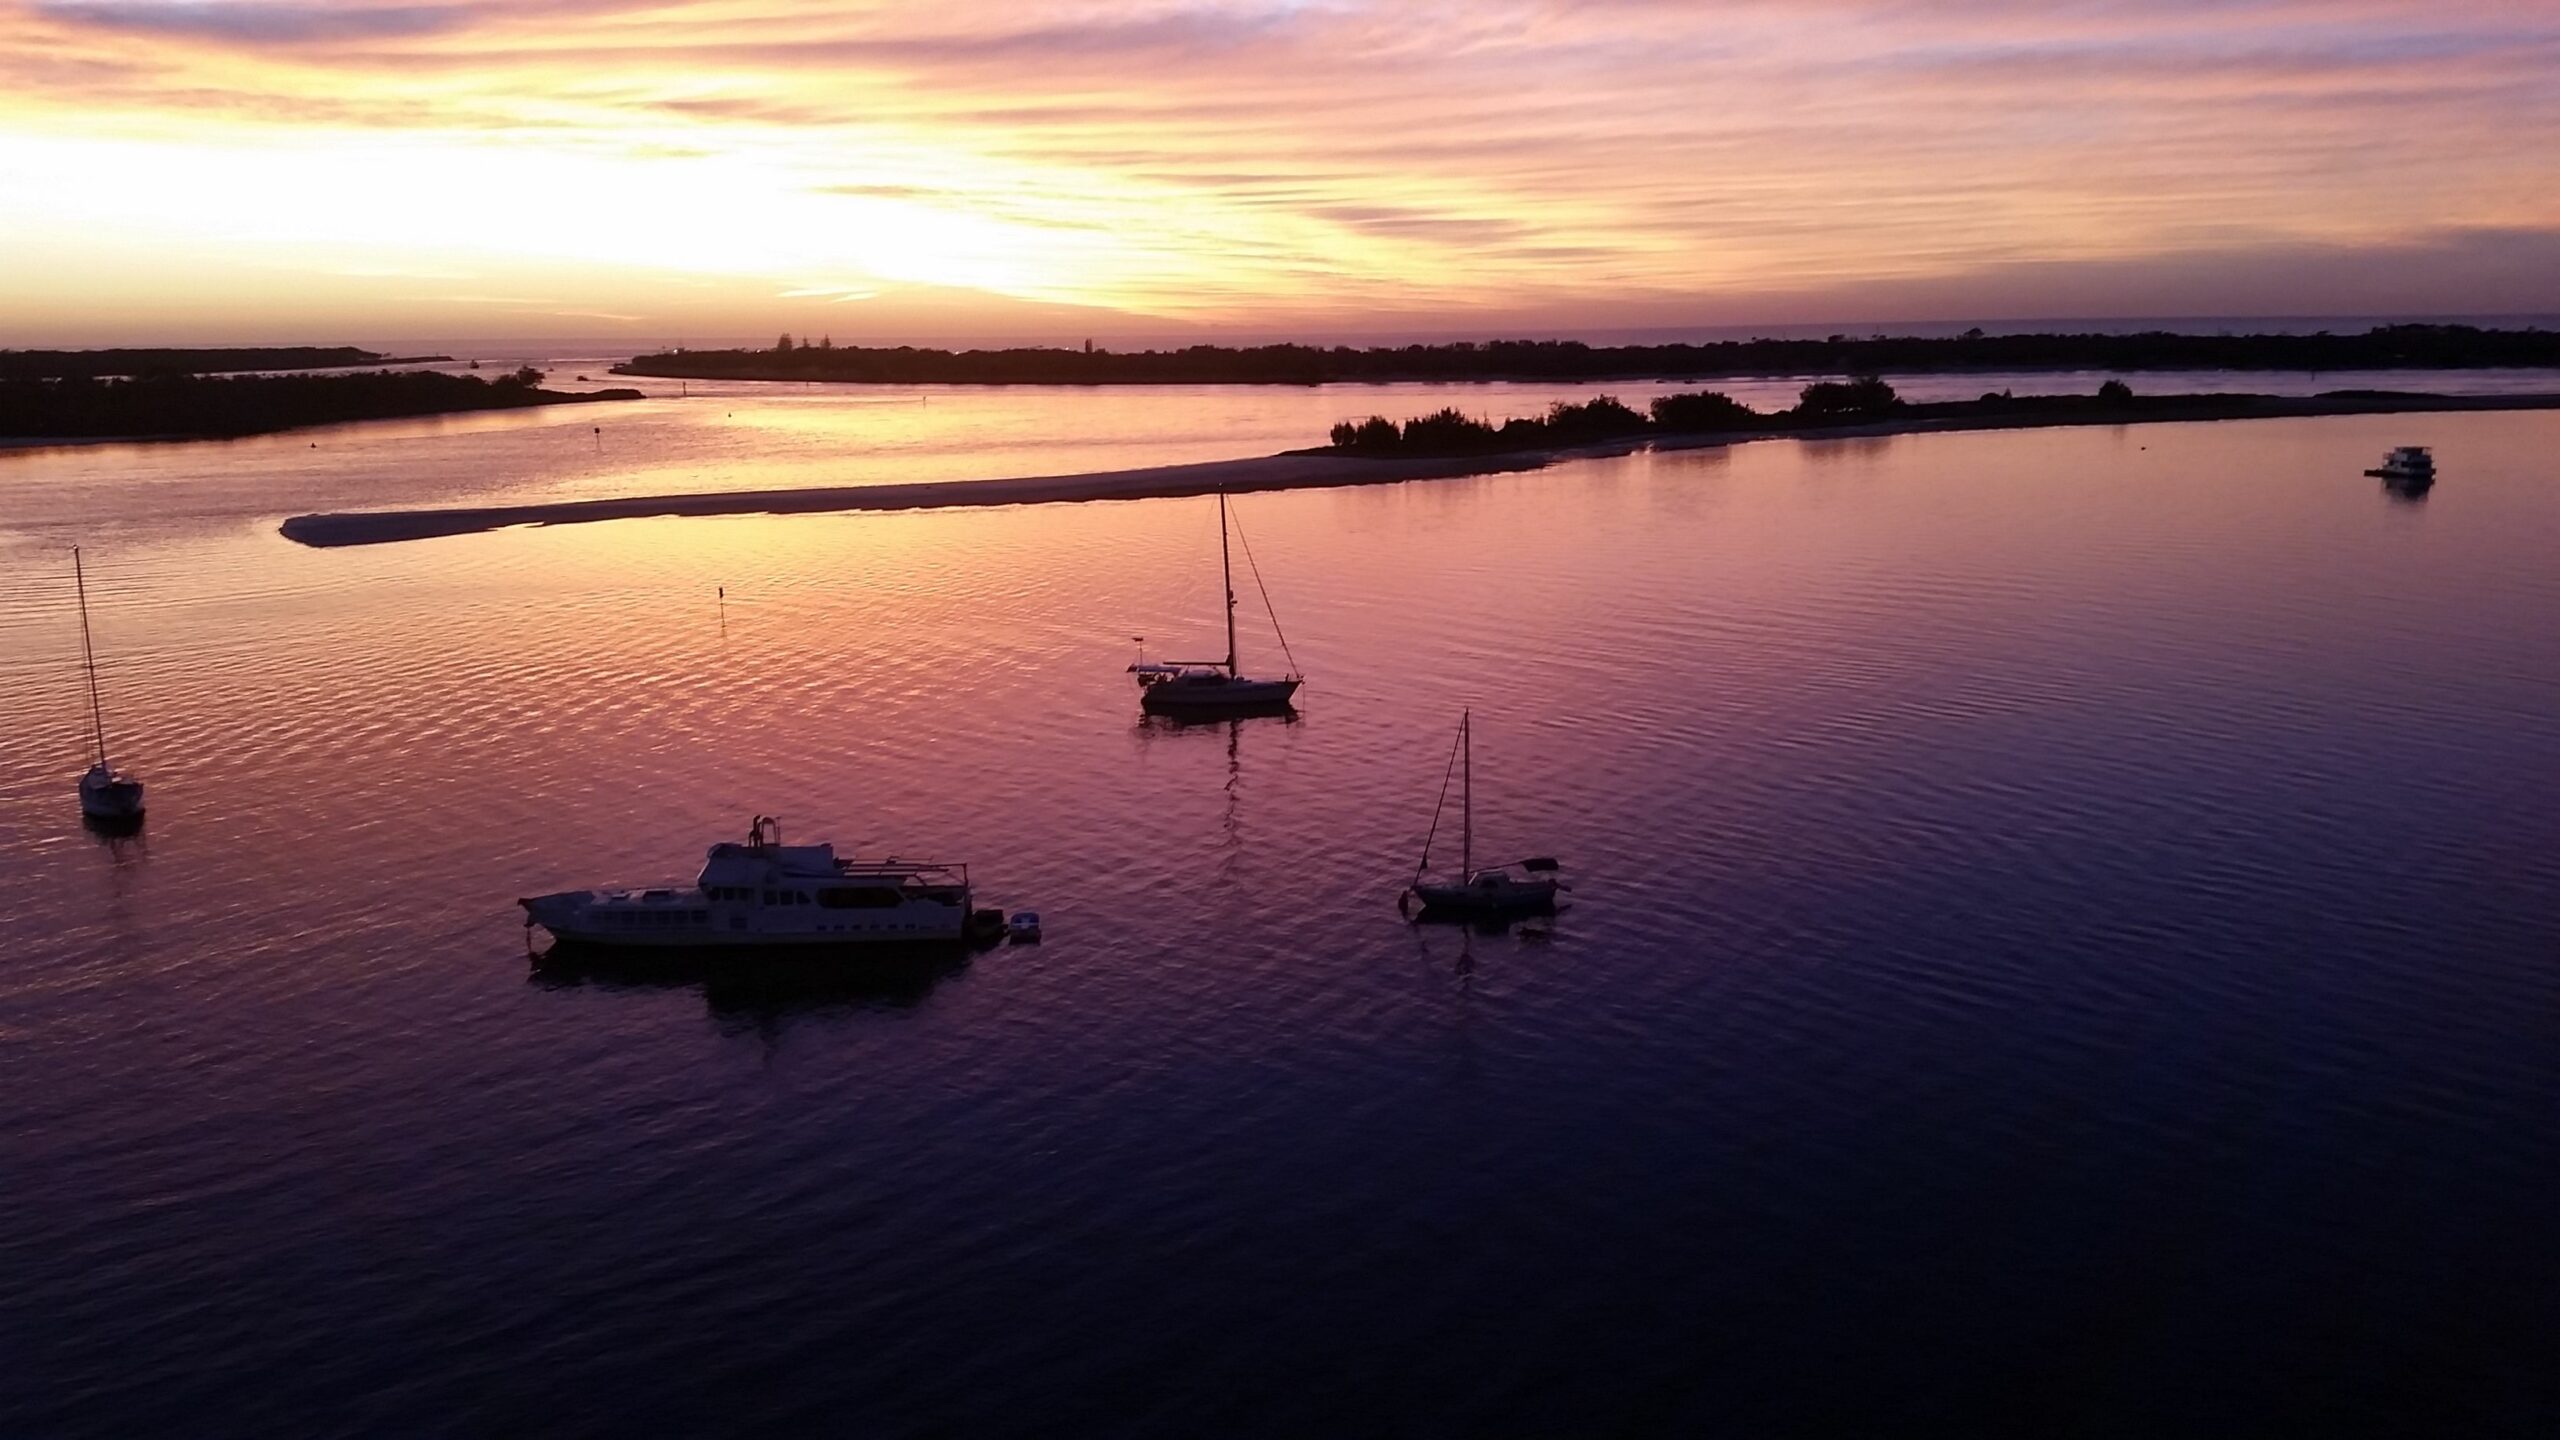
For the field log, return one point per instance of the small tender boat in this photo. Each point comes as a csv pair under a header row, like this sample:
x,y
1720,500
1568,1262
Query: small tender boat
x,y
762,894
1207,688
986,927
1523,887
1025,927
109,797
2407,465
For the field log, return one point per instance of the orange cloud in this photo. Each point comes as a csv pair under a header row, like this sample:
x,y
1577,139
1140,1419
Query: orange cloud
x,y
1271,163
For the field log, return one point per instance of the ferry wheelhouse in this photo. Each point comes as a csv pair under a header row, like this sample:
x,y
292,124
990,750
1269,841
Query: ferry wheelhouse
x,y
763,894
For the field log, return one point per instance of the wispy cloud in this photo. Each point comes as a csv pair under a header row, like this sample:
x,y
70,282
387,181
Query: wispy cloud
x,y
1242,159
254,22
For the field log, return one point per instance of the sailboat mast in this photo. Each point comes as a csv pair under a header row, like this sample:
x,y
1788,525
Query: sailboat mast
x,y
89,656
1467,806
1227,575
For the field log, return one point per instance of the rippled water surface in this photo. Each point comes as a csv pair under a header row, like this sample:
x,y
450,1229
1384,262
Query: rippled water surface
x,y
2065,935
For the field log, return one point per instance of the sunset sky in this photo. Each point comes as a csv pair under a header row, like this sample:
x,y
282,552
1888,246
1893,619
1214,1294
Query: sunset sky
x,y
276,170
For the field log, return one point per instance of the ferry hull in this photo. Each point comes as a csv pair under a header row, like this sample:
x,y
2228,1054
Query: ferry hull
x,y
574,918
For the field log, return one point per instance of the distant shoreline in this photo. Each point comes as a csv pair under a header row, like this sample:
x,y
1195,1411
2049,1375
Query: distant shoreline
x,y
1298,469
197,360
2386,347
78,411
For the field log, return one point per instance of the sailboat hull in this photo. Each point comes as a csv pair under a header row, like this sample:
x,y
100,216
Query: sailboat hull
x,y
110,797
1483,900
1217,695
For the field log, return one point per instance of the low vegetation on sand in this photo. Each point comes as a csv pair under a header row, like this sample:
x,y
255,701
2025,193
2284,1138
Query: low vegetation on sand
x,y
1604,418
199,406
1862,405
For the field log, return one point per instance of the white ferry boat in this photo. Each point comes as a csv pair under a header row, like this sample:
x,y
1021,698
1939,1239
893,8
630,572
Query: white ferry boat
x,y
763,894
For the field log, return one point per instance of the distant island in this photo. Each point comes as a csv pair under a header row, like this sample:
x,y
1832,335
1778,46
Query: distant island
x,y
98,364
2413,347
189,407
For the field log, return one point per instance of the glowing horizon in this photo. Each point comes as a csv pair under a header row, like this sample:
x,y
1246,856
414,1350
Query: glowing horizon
x,y
267,169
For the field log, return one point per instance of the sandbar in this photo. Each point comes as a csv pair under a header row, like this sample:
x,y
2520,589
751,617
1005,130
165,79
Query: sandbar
x,y
1298,470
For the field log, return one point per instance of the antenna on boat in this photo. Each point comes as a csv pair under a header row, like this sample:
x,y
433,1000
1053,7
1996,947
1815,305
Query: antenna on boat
x,y
89,657
1467,802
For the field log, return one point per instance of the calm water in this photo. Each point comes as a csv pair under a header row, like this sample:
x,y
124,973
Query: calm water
x,y
2067,932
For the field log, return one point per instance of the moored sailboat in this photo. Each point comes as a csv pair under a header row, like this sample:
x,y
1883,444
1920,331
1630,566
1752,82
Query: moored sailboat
x,y
1200,688
1496,892
108,796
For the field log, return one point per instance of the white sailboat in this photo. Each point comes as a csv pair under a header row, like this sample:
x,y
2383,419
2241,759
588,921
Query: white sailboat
x,y
108,796
1215,687
1523,887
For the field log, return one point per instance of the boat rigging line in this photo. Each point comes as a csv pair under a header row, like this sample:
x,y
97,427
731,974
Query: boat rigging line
x,y
1439,805
1267,607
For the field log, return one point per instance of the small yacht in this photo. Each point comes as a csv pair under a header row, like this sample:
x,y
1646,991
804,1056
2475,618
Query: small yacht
x,y
762,894
2407,465
1496,892
109,797
1195,689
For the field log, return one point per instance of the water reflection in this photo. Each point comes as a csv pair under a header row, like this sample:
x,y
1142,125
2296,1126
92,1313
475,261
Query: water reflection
x,y
117,832
1533,928
1231,827
763,988
2010,785
1230,725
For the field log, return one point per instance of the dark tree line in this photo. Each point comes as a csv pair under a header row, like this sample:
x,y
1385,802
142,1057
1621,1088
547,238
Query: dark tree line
x,y
193,405
78,364
1822,406
2385,347
1451,432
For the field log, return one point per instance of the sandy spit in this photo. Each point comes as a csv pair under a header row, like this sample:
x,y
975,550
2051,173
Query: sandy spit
x,y
1270,472
1300,470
